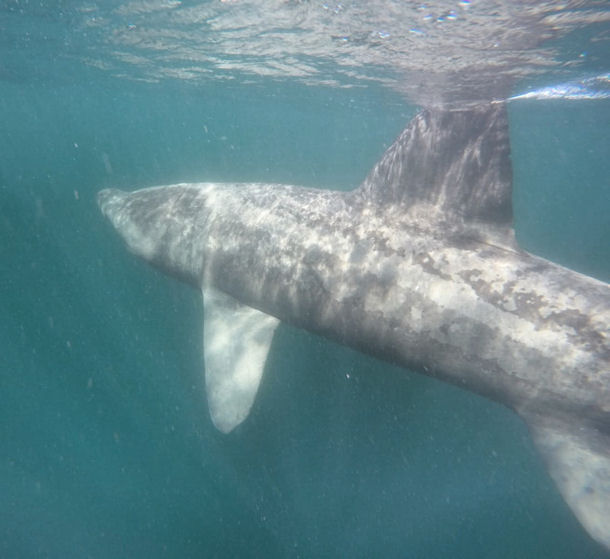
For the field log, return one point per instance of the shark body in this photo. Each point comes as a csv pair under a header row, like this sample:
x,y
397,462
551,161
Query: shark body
x,y
418,266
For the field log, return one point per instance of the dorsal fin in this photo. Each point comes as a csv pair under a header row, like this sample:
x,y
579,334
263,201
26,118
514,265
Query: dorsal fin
x,y
457,160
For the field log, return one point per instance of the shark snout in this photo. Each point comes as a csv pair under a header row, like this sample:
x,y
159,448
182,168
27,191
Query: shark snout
x,y
108,199
103,196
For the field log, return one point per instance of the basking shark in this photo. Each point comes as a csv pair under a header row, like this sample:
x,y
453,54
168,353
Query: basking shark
x,y
417,266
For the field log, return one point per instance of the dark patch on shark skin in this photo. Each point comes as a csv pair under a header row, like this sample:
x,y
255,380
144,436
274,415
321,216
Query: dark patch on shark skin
x,y
463,240
481,287
528,305
377,285
583,329
310,282
571,318
388,276
427,264
360,251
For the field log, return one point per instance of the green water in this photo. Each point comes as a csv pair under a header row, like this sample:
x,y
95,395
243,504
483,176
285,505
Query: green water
x,y
106,446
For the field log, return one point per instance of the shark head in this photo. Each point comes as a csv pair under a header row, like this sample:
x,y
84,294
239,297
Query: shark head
x,y
152,223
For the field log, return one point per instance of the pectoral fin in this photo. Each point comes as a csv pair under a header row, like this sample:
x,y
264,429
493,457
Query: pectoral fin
x,y
236,340
578,460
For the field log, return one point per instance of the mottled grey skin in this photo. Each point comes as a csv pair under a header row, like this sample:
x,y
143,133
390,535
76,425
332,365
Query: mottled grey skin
x,y
417,267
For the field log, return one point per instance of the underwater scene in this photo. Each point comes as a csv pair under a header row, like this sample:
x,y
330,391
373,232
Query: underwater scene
x,y
107,446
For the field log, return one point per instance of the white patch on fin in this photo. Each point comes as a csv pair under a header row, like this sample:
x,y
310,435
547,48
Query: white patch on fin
x,y
236,340
579,462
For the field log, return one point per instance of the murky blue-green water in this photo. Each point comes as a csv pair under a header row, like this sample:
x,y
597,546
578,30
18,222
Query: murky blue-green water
x,y
106,446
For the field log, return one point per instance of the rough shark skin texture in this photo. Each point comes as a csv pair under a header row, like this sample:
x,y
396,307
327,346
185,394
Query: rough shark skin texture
x,y
419,267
